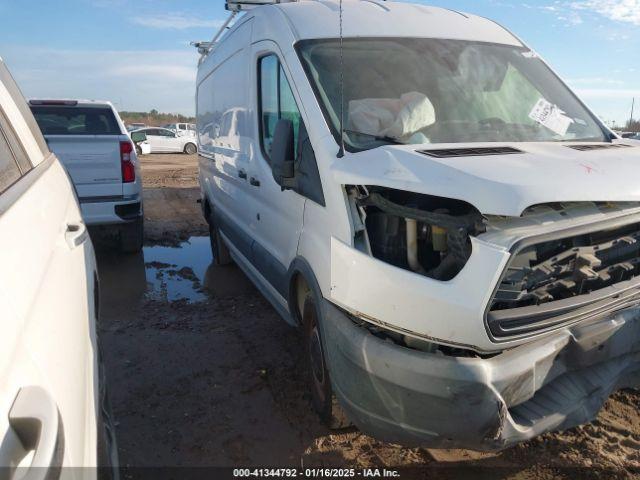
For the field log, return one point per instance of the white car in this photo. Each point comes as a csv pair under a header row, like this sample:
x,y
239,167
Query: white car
x,y
456,233
92,143
182,129
163,140
51,408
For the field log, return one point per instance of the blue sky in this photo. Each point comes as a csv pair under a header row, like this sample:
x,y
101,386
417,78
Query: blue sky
x,y
136,53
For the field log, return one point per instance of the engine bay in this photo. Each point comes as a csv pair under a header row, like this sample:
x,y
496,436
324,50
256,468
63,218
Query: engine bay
x,y
422,233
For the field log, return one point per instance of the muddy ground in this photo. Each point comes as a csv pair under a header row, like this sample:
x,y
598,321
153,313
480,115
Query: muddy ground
x,y
203,372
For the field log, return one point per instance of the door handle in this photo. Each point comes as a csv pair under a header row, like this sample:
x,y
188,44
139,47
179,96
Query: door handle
x,y
254,181
35,419
76,234
242,174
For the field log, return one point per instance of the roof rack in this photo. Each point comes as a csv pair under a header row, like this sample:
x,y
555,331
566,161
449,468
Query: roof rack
x,y
235,7
242,5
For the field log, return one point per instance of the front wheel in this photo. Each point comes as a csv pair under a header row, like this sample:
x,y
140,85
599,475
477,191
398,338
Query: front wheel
x,y
322,397
190,149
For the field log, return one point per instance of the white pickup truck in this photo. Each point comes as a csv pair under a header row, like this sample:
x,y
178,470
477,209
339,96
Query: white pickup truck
x,y
54,419
91,141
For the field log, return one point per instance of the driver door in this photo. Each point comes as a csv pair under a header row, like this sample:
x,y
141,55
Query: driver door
x,y
277,217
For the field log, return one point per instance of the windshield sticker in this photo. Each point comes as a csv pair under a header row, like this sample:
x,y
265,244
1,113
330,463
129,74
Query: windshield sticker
x,y
530,54
551,117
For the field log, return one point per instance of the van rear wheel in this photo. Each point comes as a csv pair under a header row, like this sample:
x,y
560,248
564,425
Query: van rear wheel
x,y
219,250
322,397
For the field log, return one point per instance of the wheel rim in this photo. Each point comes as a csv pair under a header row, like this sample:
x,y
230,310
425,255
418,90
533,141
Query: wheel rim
x,y
316,357
314,349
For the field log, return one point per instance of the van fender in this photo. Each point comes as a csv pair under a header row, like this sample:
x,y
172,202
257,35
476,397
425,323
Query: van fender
x,y
300,266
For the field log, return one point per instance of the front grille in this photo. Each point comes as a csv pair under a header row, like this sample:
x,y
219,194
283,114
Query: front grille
x,y
469,152
598,146
554,282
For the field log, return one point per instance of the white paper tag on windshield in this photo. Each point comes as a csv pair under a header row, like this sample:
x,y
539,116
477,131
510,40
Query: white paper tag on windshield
x,y
549,115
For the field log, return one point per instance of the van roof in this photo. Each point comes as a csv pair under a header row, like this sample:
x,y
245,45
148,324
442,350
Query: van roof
x,y
315,19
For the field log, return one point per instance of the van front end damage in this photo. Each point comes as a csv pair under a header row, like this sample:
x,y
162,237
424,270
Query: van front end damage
x,y
412,397
448,328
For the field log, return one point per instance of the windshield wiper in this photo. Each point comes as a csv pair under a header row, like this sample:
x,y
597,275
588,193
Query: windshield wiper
x,y
380,138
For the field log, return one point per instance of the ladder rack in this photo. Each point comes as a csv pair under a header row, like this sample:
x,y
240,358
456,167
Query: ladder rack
x,y
235,7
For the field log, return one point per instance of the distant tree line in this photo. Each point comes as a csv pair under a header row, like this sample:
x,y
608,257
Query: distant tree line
x,y
632,126
154,118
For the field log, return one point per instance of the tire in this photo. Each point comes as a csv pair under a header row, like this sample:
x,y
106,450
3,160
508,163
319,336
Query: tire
x,y
219,250
132,236
107,454
138,150
319,382
190,148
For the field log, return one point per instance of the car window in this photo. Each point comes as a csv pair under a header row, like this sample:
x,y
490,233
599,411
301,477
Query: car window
x,y
9,171
276,102
15,145
63,120
182,127
166,133
153,132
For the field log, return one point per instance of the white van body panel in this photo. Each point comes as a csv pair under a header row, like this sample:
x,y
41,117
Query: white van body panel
x,y
499,185
309,20
456,308
276,217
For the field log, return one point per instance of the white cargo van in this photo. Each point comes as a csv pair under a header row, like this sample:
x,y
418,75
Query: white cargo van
x,y
91,141
456,233
182,129
52,401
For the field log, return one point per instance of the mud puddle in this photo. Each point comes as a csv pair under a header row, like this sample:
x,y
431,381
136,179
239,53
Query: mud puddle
x,y
178,273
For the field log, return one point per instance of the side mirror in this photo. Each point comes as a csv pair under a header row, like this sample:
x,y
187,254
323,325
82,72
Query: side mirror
x,y
137,137
282,154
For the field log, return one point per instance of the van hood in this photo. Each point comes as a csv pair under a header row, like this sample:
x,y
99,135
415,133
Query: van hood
x,y
504,184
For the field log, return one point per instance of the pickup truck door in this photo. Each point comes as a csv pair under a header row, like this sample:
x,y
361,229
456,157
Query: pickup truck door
x,y
48,380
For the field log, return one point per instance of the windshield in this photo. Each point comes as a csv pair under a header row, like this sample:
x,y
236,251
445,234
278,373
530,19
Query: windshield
x,y
409,90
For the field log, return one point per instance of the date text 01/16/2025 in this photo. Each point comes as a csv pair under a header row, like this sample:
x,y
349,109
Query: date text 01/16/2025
x,y
315,473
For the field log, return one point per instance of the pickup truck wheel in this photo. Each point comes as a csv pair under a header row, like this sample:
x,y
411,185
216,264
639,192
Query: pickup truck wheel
x,y
219,250
190,148
132,236
322,397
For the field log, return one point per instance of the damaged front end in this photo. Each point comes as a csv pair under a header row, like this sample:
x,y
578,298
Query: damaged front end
x,y
449,328
428,235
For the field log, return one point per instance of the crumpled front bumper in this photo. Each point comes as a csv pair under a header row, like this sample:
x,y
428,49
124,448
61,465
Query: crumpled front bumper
x,y
429,399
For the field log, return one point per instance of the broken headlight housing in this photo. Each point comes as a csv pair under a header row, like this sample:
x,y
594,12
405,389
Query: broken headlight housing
x,y
422,233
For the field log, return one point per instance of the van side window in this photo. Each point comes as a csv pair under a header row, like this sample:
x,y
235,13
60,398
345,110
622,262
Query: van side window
x,y
276,102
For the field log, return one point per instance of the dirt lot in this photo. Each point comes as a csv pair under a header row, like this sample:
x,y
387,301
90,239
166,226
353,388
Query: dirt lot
x,y
202,371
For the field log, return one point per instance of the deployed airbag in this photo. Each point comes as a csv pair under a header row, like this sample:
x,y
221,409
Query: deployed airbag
x,y
391,117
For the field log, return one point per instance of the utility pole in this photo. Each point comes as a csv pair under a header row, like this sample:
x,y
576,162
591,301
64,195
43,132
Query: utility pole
x,y
633,104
